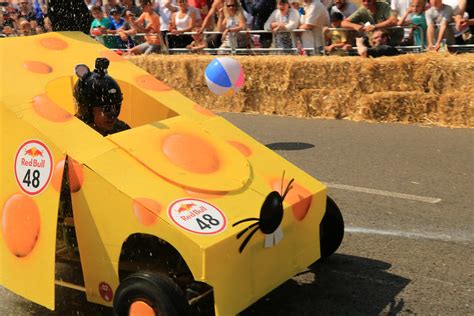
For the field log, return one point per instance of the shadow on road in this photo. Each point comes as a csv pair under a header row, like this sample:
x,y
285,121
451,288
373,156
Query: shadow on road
x,y
339,285
289,146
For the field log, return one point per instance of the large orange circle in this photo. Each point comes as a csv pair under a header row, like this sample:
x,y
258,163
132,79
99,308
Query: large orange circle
x,y
46,108
53,43
191,153
151,83
20,224
75,173
298,196
140,308
146,210
37,67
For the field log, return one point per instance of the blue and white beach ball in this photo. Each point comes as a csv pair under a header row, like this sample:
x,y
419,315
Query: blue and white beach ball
x,y
224,76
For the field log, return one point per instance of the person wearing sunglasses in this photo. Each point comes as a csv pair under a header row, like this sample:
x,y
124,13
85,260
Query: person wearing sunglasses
x,y
231,22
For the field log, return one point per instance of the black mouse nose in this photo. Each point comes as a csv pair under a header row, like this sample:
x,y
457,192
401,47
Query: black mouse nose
x,y
271,213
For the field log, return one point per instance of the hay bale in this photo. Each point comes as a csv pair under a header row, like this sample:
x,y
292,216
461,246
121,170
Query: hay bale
x,y
405,107
407,88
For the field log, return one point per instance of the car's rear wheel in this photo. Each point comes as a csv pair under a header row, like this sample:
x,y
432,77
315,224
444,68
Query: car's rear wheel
x,y
331,229
147,293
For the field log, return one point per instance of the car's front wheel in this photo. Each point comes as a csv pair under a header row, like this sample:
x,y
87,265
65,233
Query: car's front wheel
x,y
147,293
331,229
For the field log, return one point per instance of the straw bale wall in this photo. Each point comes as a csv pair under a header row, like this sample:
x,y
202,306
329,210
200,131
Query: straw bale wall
x,y
424,88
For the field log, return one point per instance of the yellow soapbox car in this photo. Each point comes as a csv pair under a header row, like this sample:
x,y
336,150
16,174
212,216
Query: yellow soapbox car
x,y
180,207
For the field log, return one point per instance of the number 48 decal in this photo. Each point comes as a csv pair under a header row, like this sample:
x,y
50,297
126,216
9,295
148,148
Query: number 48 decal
x,y
35,181
211,220
197,216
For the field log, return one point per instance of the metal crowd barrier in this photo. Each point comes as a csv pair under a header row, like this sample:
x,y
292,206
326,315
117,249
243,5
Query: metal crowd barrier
x,y
295,50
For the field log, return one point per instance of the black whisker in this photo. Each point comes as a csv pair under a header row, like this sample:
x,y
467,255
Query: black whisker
x,y
288,188
247,239
246,229
245,220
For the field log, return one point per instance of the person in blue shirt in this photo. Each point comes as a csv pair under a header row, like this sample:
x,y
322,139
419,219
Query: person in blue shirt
x,y
119,26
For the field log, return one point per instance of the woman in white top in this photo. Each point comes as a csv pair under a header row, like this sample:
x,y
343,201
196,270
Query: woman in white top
x,y
231,20
283,20
182,21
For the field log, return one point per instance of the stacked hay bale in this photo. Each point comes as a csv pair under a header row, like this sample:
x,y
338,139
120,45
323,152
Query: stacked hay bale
x,y
426,88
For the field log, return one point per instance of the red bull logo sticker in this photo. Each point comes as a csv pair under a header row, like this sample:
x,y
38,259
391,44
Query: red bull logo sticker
x,y
33,166
197,216
106,291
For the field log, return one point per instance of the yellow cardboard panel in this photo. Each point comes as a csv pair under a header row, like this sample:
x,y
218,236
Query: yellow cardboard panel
x,y
29,200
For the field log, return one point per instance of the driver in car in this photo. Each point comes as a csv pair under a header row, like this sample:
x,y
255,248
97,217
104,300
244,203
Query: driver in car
x,y
98,98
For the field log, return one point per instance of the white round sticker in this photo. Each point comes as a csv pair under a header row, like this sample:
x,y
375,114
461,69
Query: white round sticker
x,y
197,216
33,166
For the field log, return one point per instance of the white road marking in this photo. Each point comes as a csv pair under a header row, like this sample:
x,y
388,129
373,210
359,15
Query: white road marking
x,y
425,199
414,235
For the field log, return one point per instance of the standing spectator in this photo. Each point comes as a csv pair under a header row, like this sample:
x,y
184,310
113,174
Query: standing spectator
x,y
380,46
182,21
415,15
466,6
260,10
295,4
338,39
26,12
458,35
344,7
316,17
119,26
374,15
129,5
281,22
202,7
230,23
148,22
100,23
166,9
439,14
399,8
112,4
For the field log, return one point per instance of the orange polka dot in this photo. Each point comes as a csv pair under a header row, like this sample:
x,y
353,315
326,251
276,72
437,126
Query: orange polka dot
x,y
244,149
191,153
76,176
151,83
49,110
298,196
20,224
204,194
37,67
203,111
140,308
53,43
111,55
146,210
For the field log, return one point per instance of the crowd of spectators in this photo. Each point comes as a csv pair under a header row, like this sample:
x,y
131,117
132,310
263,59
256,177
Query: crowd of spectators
x,y
23,18
310,27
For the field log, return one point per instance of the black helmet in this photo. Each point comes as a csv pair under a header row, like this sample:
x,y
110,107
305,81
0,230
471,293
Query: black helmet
x,y
96,89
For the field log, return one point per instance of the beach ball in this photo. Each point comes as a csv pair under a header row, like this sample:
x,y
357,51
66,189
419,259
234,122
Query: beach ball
x,y
224,76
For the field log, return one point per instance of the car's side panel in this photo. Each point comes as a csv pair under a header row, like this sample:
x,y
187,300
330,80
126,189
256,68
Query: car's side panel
x,y
105,217
31,173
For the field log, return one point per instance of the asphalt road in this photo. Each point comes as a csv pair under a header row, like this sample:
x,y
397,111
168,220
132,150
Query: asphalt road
x,y
406,193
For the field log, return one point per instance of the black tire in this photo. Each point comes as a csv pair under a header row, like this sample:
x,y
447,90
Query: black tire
x,y
331,229
157,290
